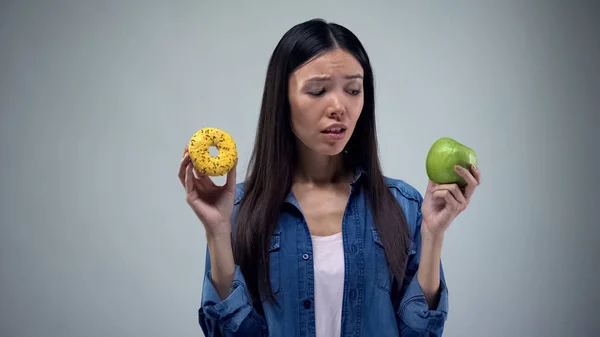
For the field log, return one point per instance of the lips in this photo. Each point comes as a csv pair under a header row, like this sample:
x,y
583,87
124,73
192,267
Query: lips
x,y
334,129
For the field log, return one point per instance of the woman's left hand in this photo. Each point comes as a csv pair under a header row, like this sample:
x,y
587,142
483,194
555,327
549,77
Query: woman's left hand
x,y
442,203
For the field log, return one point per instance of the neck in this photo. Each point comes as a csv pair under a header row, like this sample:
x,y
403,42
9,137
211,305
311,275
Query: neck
x,y
318,169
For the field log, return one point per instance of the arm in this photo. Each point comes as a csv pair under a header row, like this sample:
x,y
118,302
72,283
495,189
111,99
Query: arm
x,y
221,260
423,308
428,273
226,307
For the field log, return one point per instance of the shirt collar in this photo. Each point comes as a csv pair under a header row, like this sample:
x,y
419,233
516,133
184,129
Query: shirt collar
x,y
358,173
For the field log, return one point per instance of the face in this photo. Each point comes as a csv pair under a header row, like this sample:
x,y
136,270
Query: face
x,y
326,99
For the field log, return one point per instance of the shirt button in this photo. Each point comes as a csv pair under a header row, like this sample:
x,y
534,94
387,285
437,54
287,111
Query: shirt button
x,y
305,256
306,304
353,249
353,294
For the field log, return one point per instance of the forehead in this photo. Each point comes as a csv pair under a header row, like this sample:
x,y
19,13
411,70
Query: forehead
x,y
334,62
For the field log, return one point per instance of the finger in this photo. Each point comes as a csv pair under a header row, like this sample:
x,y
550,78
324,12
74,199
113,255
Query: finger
x,y
202,184
469,178
198,174
439,194
189,178
451,202
182,167
431,186
202,180
446,197
454,189
231,177
471,186
476,174
206,182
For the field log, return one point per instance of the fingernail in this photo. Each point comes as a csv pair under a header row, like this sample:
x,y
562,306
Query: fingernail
x,y
457,167
474,167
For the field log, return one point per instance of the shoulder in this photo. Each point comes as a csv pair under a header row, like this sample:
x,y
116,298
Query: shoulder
x,y
399,188
410,199
403,190
239,192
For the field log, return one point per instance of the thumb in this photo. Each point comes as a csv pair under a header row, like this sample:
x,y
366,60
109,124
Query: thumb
x,y
231,177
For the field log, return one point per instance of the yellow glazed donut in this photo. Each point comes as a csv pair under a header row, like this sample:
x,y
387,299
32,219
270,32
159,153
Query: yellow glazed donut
x,y
203,161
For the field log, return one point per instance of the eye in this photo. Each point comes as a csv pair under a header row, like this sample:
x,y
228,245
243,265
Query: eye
x,y
355,92
317,93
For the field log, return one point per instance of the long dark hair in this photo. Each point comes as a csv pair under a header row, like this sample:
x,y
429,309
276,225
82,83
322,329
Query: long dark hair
x,y
273,160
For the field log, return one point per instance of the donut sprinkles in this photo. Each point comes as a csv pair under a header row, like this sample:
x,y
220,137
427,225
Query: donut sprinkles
x,y
203,161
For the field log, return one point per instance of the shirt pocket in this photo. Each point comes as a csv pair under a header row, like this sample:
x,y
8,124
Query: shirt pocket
x,y
384,275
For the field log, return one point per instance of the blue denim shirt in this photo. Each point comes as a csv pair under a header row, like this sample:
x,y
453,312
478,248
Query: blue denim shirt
x,y
368,307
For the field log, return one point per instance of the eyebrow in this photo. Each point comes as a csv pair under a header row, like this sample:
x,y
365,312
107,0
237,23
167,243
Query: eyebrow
x,y
320,78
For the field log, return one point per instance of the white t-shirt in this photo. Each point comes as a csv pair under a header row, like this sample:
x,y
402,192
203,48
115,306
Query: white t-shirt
x,y
328,261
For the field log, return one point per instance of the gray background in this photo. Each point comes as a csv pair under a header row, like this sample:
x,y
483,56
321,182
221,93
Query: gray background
x,y
98,99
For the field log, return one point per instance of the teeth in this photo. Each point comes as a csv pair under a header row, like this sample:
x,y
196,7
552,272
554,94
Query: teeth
x,y
334,130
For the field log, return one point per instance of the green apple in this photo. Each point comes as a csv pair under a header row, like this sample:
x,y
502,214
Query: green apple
x,y
443,155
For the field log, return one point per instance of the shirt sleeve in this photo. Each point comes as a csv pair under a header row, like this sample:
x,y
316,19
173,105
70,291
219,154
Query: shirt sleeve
x,y
415,316
232,316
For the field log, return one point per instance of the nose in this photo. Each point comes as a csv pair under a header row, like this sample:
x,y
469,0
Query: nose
x,y
336,108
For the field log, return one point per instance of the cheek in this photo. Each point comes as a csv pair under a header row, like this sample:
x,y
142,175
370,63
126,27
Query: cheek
x,y
296,117
295,114
355,111
303,116
300,125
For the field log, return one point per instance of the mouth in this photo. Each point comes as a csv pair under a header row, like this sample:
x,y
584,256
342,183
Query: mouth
x,y
336,129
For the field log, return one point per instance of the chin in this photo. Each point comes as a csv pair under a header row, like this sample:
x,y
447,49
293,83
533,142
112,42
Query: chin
x,y
324,148
329,150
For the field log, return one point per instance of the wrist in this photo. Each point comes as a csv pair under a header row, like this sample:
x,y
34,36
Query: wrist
x,y
433,238
218,235
221,259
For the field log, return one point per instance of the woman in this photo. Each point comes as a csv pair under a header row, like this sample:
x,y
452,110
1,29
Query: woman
x,y
317,241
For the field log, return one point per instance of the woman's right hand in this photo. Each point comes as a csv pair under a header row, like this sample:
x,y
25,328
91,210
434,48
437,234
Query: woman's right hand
x,y
211,203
